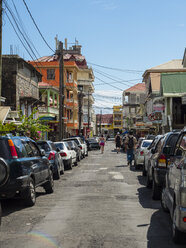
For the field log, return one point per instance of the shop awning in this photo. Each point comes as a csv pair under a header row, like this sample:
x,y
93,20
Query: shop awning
x,y
4,110
173,84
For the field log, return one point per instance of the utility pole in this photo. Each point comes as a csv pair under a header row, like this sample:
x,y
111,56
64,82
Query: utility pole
x,y
61,91
1,14
100,121
88,110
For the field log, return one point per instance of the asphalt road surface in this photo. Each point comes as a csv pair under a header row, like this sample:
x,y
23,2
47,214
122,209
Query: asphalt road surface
x,y
100,203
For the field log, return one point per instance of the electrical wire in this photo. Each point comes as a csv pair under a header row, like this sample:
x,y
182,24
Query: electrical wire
x,y
116,69
37,27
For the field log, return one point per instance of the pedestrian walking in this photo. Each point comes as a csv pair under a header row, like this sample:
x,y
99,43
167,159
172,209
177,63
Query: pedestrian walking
x,y
118,142
130,145
102,143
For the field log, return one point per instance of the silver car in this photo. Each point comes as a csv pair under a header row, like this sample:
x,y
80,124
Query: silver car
x,y
141,150
173,197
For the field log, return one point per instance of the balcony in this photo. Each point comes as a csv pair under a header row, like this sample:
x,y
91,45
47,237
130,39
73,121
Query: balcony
x,y
48,110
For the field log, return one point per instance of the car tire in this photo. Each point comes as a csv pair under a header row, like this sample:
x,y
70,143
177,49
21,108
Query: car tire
x,y
79,158
135,165
30,194
57,173
49,186
4,172
148,182
156,191
163,203
144,173
176,234
70,165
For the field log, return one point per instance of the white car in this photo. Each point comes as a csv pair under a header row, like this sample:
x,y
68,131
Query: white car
x,y
68,155
81,144
141,150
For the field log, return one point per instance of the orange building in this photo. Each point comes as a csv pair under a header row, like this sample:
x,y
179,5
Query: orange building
x,y
48,66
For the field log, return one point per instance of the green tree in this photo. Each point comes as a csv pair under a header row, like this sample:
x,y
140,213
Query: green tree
x,y
31,127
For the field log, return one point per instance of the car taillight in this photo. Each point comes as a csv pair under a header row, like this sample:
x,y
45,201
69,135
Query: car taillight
x,y
63,154
12,149
162,161
51,156
184,219
141,153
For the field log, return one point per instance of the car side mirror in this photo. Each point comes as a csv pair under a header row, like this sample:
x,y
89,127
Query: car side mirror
x,y
43,153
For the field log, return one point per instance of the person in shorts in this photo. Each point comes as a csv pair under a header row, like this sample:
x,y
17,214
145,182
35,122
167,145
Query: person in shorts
x,y
102,143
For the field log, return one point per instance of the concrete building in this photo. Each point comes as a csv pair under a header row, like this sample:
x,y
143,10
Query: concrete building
x,y
20,84
117,118
165,91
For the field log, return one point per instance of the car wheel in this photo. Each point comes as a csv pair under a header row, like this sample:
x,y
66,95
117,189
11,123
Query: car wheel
x,y
163,201
30,194
144,173
176,234
57,173
148,182
79,158
156,191
49,186
135,165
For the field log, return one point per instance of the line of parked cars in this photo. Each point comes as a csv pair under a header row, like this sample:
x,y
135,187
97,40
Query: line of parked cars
x,y
26,165
164,165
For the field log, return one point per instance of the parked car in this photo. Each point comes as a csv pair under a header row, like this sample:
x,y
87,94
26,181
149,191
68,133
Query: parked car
x,y
148,154
140,151
93,144
173,197
53,156
157,165
74,146
80,144
68,155
23,167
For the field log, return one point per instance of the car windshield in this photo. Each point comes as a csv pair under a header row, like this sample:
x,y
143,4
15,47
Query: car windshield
x,y
92,140
146,143
60,146
44,146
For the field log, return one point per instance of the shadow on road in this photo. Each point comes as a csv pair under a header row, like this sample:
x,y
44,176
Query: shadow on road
x,y
10,206
159,232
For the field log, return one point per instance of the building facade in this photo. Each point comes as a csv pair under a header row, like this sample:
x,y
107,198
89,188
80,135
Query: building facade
x,y
20,84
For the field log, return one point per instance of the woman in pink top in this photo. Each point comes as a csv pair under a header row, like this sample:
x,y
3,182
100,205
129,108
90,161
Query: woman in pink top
x,y
102,143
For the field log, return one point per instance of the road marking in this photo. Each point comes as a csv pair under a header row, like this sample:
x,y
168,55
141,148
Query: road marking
x,y
103,168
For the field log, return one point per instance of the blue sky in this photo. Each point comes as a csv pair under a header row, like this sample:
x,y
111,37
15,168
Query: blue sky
x,y
127,34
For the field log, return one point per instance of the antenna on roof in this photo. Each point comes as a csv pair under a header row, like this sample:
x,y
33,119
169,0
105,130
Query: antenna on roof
x,y
57,42
76,42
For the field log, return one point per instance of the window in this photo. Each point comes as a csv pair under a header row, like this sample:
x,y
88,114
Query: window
x,y
51,74
69,76
29,149
20,148
35,150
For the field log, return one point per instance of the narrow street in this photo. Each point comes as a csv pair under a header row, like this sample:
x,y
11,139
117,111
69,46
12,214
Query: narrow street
x,y
100,203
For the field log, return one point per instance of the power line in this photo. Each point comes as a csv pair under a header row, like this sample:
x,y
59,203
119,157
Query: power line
x,y
116,69
37,27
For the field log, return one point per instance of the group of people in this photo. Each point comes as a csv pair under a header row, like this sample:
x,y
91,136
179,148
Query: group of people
x,y
129,144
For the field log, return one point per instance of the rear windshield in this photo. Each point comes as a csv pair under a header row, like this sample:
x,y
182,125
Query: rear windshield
x,y
4,149
171,141
60,146
44,146
146,144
